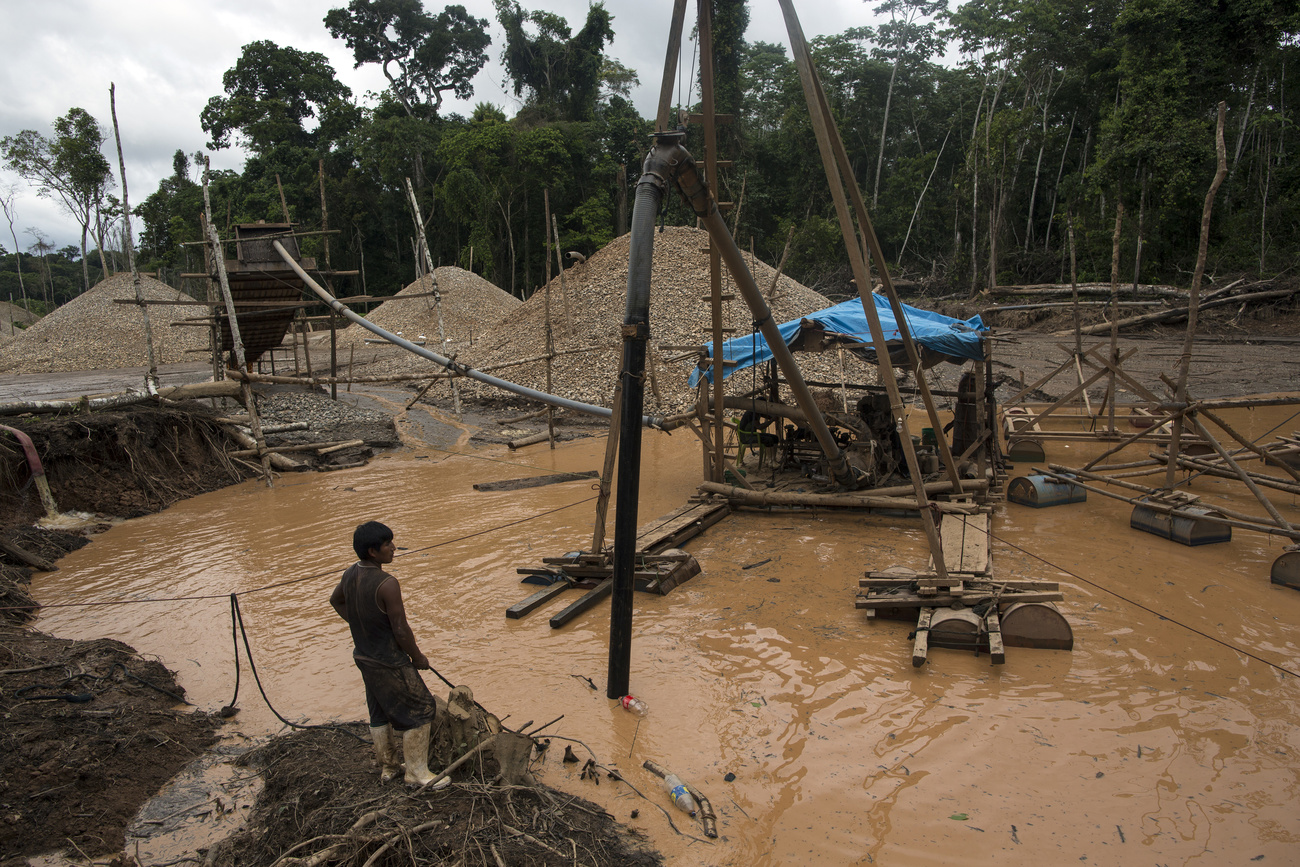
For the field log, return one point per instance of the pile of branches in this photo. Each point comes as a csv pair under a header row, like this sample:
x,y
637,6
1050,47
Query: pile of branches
x,y
324,804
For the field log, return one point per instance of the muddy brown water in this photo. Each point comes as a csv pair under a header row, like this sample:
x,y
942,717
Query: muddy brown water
x,y
1157,740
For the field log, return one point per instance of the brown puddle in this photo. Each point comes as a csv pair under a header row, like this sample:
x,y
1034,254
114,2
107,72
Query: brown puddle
x,y
1149,743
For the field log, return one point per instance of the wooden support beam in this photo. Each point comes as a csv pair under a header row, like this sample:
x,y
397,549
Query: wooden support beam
x,y
588,600
538,599
921,645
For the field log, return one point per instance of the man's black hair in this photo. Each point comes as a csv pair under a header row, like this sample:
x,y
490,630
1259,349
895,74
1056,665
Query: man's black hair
x,y
371,534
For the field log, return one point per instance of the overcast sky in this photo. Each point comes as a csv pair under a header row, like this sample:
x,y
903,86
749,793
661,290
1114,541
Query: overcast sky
x,y
167,58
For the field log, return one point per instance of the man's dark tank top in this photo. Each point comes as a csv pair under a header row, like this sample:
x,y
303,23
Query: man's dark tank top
x,y
372,633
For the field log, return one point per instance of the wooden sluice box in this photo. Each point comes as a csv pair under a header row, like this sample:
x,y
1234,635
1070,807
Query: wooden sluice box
x,y
660,564
969,609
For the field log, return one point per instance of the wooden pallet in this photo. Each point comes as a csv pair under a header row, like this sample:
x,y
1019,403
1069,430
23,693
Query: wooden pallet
x,y
660,564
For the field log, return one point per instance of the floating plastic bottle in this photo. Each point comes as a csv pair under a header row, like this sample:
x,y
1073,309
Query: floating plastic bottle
x,y
677,790
632,704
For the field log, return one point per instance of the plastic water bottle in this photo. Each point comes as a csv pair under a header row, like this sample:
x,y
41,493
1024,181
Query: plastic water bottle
x,y
677,790
632,704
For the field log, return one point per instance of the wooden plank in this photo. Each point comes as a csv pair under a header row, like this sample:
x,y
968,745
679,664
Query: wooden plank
x,y
921,647
874,600
535,481
589,599
965,542
886,583
997,653
679,526
537,600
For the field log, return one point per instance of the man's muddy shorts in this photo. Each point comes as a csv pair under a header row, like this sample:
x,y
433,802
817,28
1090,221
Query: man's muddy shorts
x,y
396,696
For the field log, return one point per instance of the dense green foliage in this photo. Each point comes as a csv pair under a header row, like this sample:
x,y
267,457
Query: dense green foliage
x,y
1090,110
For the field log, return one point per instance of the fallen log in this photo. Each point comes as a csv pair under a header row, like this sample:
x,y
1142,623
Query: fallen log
x,y
298,447
877,499
280,462
1087,289
528,441
1179,313
24,556
535,481
225,388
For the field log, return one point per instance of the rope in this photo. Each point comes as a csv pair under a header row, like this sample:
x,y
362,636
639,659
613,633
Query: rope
x,y
1137,604
290,581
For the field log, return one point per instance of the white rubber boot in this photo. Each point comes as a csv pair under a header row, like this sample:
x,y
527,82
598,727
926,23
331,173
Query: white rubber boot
x,y
415,749
389,767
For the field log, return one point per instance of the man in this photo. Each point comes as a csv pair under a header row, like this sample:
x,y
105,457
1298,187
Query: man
x,y
370,600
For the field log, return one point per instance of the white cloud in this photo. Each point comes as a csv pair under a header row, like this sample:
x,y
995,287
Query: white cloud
x,y
167,58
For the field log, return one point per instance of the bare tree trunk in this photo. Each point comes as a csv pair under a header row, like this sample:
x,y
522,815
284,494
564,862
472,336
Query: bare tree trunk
x,y
884,125
1060,171
1263,205
1038,165
1194,295
99,242
152,378
85,266
921,197
1142,218
1114,304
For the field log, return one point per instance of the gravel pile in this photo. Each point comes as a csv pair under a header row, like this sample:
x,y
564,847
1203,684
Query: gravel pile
x,y
471,306
327,419
91,332
11,313
679,315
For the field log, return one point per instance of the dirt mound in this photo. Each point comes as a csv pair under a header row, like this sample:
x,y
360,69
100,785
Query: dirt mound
x,y
471,306
77,715
587,328
323,802
92,332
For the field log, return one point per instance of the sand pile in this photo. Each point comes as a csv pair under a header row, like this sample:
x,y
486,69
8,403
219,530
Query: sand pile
x,y
91,332
471,306
679,314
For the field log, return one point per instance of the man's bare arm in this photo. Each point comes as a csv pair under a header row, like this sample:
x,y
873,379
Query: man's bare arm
x,y
390,600
339,601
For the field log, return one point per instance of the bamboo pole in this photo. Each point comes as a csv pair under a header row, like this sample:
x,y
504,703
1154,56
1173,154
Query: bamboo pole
x,y
1236,468
1210,468
707,110
246,388
1261,452
151,378
856,500
1229,518
840,174
564,287
607,472
550,335
325,227
727,463
670,67
433,281
1111,393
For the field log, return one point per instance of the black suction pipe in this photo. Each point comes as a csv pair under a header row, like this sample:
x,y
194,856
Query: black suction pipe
x,y
636,330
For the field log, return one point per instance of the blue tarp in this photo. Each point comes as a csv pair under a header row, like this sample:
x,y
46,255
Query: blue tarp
x,y
951,338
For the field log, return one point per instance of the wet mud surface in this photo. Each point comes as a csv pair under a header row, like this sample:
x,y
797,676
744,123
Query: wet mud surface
x,y
1168,735
91,731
